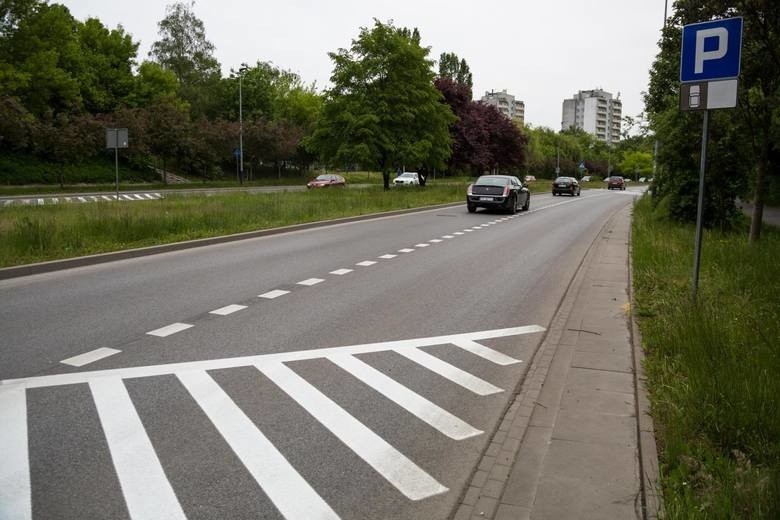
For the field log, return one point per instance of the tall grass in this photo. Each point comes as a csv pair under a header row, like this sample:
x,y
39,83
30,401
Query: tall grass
x,y
713,367
37,233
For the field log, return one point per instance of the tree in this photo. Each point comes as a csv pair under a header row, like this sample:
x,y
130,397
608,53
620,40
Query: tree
x,y
637,164
152,84
483,138
451,67
105,74
383,110
184,50
742,140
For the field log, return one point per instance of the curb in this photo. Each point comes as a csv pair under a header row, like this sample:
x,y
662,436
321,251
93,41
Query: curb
x,y
82,261
652,499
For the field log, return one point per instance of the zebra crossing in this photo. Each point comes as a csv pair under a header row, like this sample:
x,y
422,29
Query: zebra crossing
x,y
147,491
48,201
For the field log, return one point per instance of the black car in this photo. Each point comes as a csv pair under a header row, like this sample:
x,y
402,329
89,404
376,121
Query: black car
x,y
504,192
568,185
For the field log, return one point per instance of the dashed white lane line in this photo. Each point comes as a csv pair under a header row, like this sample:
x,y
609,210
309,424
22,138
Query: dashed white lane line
x,y
311,281
366,263
230,309
421,245
459,233
90,357
387,256
434,240
468,230
341,272
405,250
448,236
170,329
270,295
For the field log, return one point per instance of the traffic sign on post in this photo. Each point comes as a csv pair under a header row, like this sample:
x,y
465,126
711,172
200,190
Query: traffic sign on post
x,y
709,68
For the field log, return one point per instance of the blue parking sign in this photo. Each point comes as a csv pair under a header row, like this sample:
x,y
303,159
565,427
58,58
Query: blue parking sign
x,y
711,50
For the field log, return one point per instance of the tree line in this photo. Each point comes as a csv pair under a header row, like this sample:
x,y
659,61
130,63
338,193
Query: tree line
x,y
63,81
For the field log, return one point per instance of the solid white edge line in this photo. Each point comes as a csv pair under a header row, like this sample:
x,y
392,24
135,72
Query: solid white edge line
x,y
285,487
242,361
173,328
147,491
228,309
394,466
90,357
425,410
15,489
451,372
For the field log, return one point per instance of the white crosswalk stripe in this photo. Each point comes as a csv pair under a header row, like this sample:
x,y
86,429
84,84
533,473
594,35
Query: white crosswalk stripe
x,y
147,490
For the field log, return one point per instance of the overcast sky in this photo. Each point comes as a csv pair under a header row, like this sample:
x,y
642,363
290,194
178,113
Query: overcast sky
x,y
541,51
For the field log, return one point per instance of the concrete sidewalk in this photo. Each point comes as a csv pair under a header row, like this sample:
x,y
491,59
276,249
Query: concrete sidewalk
x,y
577,441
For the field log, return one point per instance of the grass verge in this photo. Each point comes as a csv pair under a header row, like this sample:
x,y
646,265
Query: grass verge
x,y
38,233
713,367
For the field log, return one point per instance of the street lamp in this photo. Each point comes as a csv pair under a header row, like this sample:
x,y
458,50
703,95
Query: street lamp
x,y
244,68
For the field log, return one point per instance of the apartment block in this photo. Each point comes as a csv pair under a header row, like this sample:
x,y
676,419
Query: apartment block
x,y
506,104
596,112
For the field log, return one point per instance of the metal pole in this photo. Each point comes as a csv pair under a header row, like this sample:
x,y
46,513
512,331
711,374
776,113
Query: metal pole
x,y
241,128
116,160
700,209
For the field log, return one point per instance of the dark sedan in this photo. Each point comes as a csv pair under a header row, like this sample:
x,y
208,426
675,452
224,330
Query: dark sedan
x,y
616,183
504,192
327,179
567,185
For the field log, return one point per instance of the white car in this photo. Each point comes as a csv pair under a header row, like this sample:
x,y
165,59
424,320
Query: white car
x,y
407,179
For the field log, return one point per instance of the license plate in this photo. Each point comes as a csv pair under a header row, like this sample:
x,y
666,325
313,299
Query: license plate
x,y
561,185
486,198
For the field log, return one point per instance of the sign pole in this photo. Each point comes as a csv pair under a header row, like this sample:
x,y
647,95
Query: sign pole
x,y
700,209
116,160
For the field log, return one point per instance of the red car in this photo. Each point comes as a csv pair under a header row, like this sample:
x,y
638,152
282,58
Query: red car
x,y
616,183
327,179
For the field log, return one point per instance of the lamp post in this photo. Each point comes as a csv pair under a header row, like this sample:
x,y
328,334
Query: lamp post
x,y
241,71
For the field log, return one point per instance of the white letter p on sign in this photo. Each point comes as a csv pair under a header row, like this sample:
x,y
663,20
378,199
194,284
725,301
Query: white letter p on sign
x,y
701,55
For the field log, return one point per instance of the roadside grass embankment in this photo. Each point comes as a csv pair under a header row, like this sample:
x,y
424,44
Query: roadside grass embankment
x,y
31,234
713,366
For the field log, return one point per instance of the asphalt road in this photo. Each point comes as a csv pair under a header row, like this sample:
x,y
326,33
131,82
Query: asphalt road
x,y
335,372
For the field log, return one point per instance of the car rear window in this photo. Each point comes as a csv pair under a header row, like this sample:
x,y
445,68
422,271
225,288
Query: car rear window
x,y
492,181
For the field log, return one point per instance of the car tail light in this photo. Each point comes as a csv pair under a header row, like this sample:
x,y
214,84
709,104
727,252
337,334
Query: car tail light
x,y
506,191
468,191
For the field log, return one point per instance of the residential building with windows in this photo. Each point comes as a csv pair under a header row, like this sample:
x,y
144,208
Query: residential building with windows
x,y
596,112
513,108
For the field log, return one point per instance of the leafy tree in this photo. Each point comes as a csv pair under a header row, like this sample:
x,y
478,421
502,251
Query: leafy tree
x,y
38,60
457,70
167,127
637,164
16,124
152,84
68,139
184,50
383,110
105,71
742,140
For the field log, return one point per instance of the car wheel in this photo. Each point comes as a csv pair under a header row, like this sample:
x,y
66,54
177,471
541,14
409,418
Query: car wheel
x,y
553,194
578,192
527,202
471,207
512,204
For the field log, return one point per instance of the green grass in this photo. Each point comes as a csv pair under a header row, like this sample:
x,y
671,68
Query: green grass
x,y
37,233
713,367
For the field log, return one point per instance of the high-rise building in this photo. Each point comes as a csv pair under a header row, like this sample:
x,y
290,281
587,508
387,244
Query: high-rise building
x,y
596,112
506,104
